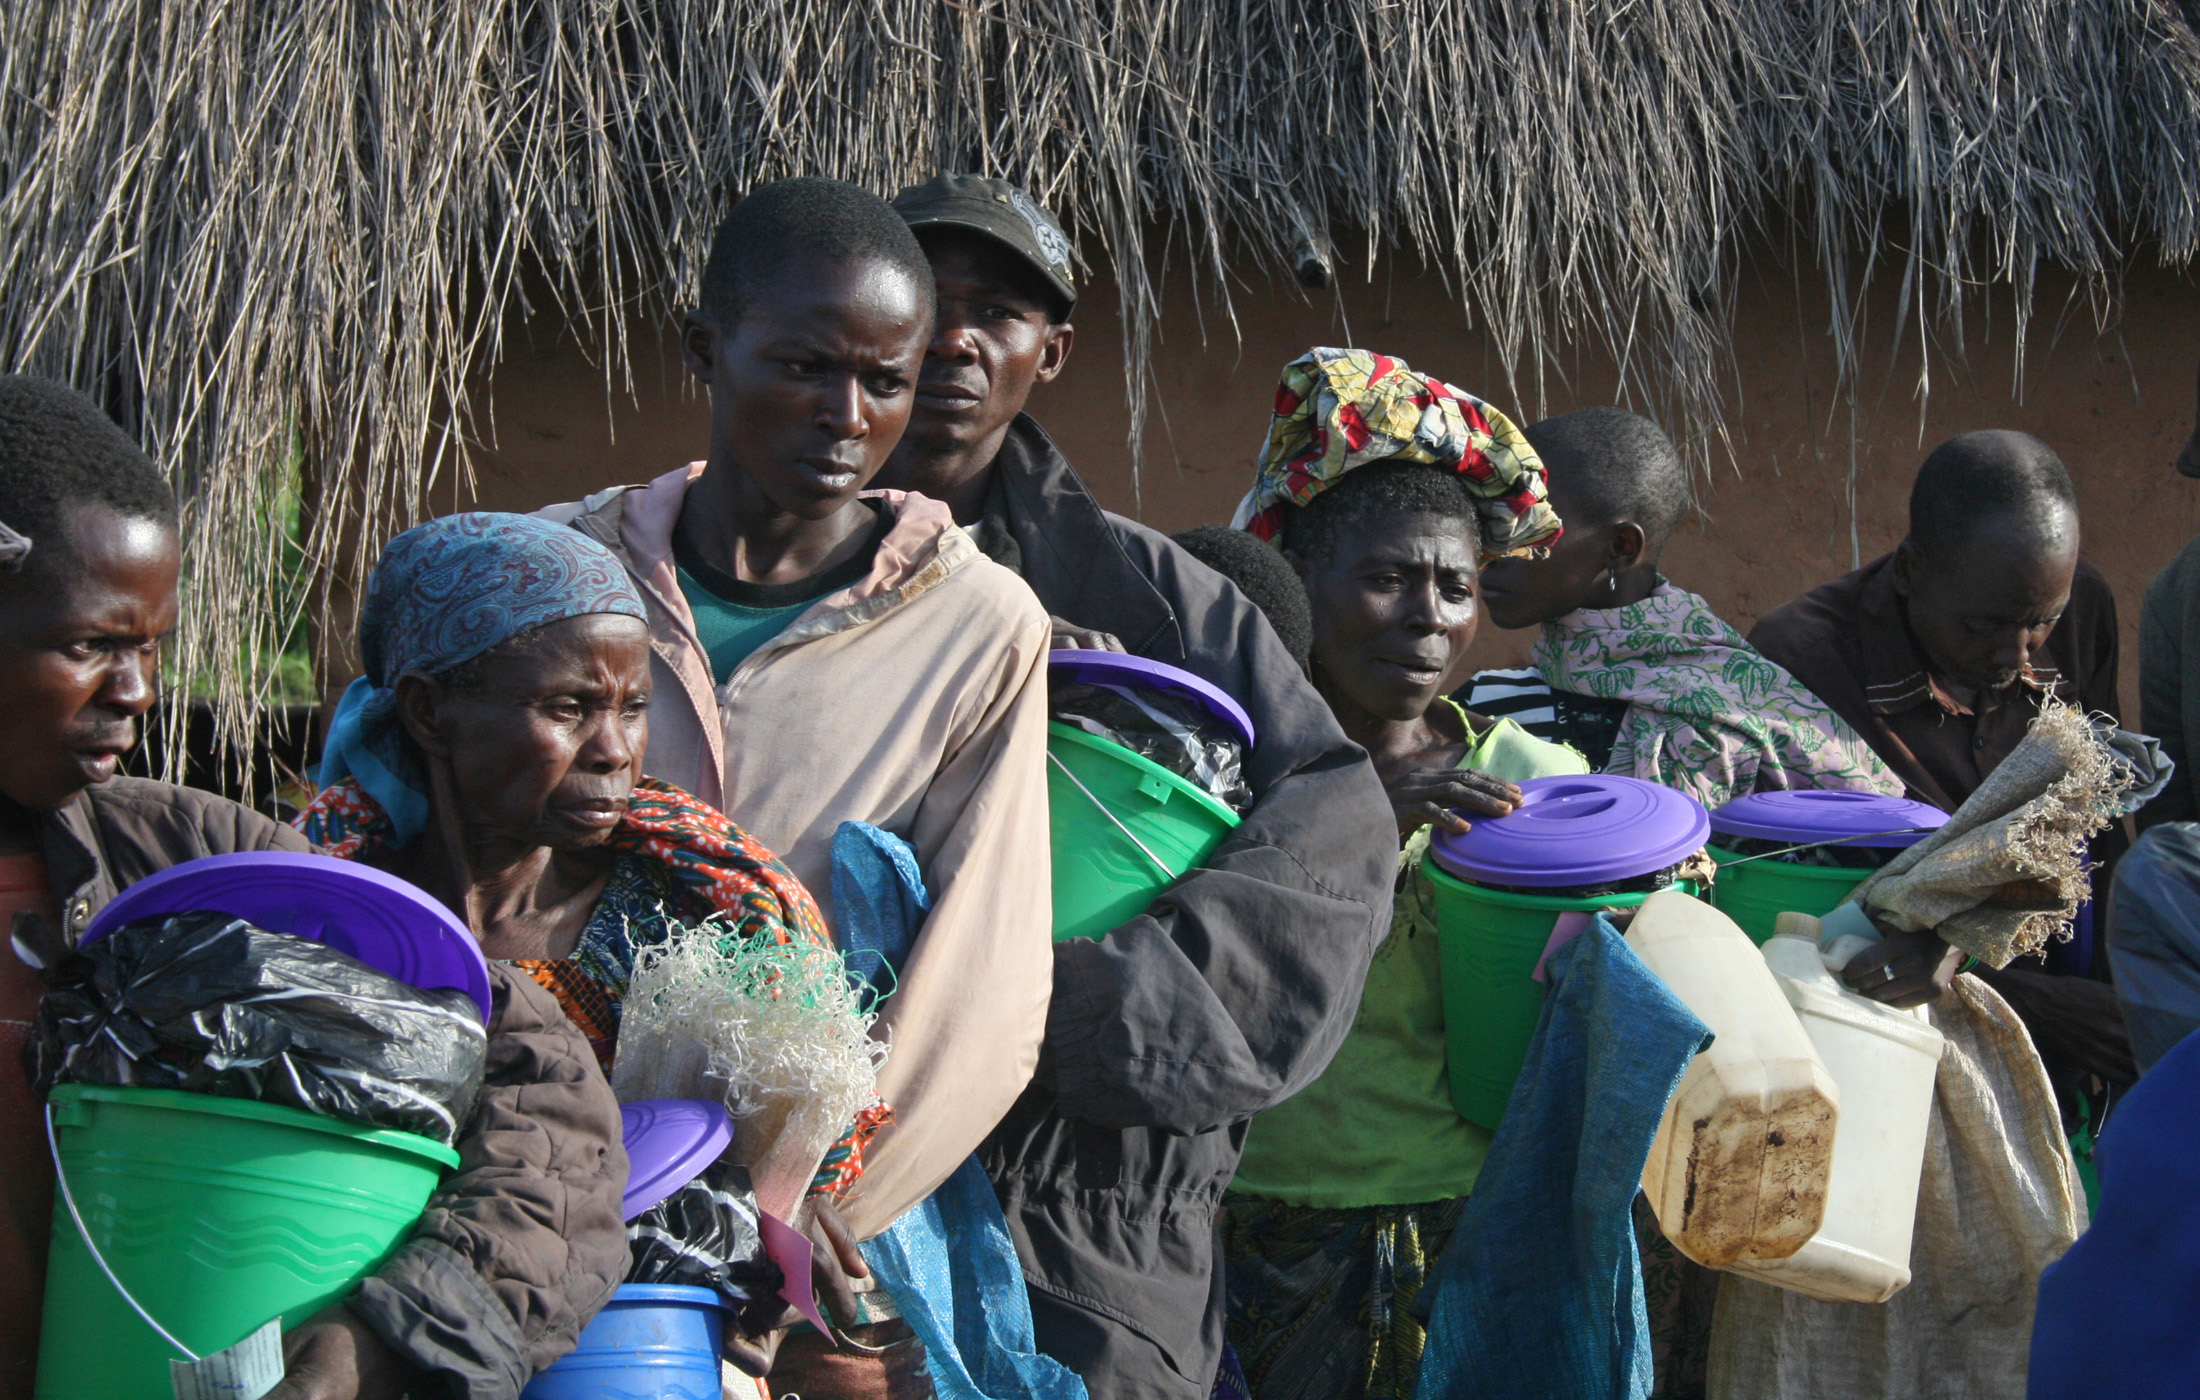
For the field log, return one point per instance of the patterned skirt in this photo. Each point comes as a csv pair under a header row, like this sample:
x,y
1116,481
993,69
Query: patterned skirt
x,y
1321,1301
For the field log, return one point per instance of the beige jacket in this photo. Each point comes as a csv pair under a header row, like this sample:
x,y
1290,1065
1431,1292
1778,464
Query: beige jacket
x,y
914,700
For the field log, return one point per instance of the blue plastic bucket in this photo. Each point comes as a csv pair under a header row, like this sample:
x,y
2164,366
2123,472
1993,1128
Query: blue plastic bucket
x,y
652,1341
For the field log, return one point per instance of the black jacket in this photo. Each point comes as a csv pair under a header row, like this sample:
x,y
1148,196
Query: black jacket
x,y
1227,996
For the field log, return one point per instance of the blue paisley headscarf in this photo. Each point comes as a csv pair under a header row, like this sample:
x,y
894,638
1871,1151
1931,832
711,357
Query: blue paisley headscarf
x,y
444,593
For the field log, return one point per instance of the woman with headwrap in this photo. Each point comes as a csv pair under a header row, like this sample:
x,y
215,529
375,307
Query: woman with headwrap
x,y
1385,490
492,755
492,752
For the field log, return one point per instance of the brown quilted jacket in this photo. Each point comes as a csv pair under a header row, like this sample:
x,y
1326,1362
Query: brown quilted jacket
x,y
523,1243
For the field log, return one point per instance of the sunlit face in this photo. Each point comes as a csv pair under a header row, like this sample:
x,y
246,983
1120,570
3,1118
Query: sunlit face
x,y
812,383
80,639
545,745
1394,610
993,338
1576,572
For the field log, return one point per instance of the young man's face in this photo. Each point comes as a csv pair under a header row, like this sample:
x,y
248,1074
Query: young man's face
x,y
1981,613
811,386
80,636
994,337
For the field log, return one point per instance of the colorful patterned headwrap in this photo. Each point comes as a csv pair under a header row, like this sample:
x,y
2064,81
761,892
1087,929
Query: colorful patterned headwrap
x,y
444,593
1341,409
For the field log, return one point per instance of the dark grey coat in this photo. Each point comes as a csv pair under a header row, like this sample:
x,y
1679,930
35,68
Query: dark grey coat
x,y
2169,689
1228,995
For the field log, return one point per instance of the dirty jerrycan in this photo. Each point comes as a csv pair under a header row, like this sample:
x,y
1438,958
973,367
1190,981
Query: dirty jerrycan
x,y
1740,1166
1885,1062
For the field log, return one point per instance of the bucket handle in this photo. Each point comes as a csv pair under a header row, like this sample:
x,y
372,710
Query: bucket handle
x,y
1164,865
1833,841
61,1179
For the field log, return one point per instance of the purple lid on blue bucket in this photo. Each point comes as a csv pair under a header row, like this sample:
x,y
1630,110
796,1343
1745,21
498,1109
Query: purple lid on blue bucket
x,y
668,1144
1852,818
1136,672
1588,830
361,912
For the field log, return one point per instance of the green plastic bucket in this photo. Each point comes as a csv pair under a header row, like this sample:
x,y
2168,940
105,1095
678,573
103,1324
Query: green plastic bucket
x,y
216,1214
1124,830
1755,893
1488,943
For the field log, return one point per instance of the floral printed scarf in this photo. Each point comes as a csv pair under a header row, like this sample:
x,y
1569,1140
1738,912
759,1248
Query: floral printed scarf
x,y
1339,409
1708,714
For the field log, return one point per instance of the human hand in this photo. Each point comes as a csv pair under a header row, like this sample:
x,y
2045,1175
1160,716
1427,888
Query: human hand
x,y
834,1260
335,1356
1427,796
1070,635
1903,969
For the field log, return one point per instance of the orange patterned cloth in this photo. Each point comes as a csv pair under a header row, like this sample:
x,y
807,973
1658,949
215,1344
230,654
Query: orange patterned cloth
x,y
680,860
718,867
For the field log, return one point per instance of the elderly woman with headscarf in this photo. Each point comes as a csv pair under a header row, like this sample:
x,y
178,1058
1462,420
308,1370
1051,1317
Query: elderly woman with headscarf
x,y
492,754
1385,490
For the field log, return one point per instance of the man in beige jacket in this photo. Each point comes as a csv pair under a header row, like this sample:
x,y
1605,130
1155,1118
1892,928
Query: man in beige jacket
x,y
824,654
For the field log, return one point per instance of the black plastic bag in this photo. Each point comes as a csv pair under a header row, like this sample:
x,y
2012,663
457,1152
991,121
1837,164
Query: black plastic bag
x,y
1845,854
707,1235
1173,730
209,1004
1636,884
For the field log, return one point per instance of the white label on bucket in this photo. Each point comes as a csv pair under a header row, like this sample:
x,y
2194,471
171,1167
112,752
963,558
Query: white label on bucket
x,y
246,1371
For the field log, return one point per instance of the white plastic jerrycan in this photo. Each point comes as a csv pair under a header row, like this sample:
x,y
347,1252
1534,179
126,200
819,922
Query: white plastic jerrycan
x,y
1740,1166
1884,1060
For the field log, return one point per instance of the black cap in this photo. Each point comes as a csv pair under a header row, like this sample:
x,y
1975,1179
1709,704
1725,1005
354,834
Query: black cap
x,y
1002,213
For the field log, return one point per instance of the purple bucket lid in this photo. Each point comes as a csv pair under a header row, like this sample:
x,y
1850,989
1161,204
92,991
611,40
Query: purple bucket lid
x,y
379,919
1797,817
668,1144
1135,672
1586,830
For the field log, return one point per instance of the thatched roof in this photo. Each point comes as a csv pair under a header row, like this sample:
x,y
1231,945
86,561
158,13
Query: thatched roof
x,y
279,225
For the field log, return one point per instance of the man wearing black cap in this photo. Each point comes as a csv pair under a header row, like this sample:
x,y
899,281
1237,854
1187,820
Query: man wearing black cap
x,y
2169,649
1233,990
2154,909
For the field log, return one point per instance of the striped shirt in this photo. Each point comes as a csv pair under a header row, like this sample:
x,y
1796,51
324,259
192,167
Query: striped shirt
x,y
1587,722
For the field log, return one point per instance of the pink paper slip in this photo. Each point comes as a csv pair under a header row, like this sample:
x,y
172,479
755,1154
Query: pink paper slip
x,y
790,1249
1564,929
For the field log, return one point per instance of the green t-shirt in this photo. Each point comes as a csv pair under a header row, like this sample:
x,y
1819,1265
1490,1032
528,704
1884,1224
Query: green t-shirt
x,y
1379,1128
734,617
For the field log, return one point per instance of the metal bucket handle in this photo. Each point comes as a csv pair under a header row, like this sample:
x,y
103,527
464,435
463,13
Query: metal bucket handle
x,y
1158,861
61,1179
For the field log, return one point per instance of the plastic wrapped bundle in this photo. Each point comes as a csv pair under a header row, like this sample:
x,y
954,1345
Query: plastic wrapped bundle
x,y
208,1004
771,1030
1175,730
707,1235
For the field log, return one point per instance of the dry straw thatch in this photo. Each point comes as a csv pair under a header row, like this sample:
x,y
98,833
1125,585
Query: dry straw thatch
x,y
264,226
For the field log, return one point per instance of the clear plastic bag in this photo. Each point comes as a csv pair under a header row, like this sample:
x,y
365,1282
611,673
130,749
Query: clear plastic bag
x,y
209,1004
1175,731
707,1235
